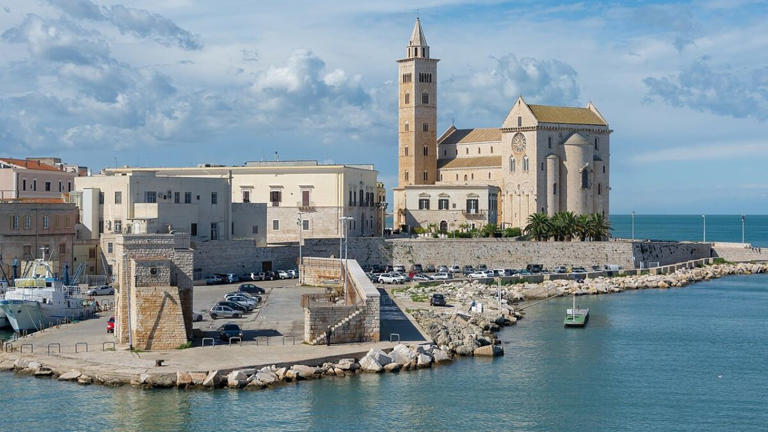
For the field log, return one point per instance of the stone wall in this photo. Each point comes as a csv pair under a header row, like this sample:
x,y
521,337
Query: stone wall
x,y
176,280
156,306
652,253
739,252
241,256
356,319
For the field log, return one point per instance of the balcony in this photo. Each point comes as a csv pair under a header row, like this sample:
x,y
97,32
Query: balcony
x,y
474,214
306,206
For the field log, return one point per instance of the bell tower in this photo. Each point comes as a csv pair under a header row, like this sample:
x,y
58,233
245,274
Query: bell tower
x,y
417,114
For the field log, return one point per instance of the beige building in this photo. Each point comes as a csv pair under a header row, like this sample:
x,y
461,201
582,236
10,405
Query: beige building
x,y
320,193
30,227
542,159
34,178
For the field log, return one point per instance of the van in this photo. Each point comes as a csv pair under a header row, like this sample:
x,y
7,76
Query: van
x,y
534,268
612,267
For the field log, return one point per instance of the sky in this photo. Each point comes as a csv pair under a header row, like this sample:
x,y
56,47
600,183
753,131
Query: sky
x,y
683,85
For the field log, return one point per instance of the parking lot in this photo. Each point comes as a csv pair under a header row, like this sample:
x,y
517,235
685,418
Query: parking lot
x,y
279,314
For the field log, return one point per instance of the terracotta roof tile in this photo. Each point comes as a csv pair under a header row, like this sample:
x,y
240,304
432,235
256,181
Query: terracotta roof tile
x,y
568,115
471,162
29,164
472,136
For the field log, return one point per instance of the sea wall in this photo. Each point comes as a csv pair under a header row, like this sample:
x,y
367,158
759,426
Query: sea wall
x,y
240,256
739,252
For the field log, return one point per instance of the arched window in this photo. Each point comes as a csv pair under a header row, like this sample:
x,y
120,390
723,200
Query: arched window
x,y
443,226
425,98
491,149
585,178
472,176
407,126
512,164
406,150
465,177
525,163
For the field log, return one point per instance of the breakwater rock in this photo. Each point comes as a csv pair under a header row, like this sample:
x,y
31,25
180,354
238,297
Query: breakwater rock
x,y
463,334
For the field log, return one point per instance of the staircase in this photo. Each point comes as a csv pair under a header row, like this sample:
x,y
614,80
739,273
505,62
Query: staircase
x,y
321,338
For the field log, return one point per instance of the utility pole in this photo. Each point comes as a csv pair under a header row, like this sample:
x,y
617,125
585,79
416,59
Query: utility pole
x,y
742,229
704,218
633,224
300,223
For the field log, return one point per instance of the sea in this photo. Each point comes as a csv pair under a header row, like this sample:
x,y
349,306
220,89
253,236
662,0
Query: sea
x,y
685,359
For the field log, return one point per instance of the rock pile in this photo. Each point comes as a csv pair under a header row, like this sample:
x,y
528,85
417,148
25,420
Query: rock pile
x,y
461,334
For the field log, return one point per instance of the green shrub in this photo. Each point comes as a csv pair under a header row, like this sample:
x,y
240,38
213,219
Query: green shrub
x,y
186,345
512,232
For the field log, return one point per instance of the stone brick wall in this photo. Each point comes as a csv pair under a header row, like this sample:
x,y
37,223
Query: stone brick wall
x,y
665,253
152,297
362,296
736,252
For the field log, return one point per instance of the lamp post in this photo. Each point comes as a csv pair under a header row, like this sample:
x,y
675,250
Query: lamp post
x,y
453,249
742,229
300,223
633,224
704,218
344,220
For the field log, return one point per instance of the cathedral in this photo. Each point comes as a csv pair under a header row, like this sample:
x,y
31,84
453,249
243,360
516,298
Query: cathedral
x,y
542,159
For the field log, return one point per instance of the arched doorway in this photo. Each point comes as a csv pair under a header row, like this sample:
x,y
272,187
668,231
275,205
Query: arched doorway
x,y
443,226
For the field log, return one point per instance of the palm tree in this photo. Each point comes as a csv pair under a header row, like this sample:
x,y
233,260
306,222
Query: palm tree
x,y
582,227
564,225
599,227
539,227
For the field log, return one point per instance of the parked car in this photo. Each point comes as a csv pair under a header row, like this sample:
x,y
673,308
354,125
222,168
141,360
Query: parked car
x,y
454,269
251,289
612,267
214,280
482,267
437,300
399,269
468,269
229,330
534,268
232,278
254,297
421,277
111,325
478,275
429,269
578,270
498,272
197,316
224,311
417,268
293,274
388,269
243,300
560,269
510,272
391,278
257,276
282,274
524,272
100,290
442,276
443,269
233,305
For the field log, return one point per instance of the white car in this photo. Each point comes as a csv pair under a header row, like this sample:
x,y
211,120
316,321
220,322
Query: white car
x,y
282,274
399,268
293,274
442,276
421,277
391,278
479,275
100,290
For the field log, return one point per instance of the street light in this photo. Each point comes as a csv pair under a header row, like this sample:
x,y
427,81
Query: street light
x,y
300,223
453,249
742,229
704,218
633,224
345,229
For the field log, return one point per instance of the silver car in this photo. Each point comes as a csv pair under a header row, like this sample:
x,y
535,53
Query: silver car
x,y
221,311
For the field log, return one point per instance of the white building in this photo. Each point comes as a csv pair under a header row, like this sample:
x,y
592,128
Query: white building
x,y
322,194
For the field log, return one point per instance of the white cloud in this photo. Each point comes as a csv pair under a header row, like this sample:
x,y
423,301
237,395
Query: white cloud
x,y
709,151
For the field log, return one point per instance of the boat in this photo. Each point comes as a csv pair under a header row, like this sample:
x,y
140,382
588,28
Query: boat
x,y
41,300
575,317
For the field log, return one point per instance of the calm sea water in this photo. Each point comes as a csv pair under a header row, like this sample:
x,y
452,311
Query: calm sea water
x,y
720,228
688,359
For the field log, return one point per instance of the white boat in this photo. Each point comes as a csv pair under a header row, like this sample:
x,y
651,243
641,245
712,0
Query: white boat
x,y
3,319
40,300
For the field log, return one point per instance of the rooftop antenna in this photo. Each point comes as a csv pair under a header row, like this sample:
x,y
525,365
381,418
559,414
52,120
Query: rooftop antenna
x,y
418,14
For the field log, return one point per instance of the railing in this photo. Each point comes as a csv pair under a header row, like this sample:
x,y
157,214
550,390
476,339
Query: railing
x,y
480,214
308,206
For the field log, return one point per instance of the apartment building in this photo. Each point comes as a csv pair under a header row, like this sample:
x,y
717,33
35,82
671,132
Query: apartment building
x,y
30,227
298,195
35,178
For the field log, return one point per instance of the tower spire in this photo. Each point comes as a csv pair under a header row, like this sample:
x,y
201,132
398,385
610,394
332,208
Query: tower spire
x,y
417,45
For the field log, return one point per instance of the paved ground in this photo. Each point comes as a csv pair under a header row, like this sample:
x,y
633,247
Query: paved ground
x,y
273,336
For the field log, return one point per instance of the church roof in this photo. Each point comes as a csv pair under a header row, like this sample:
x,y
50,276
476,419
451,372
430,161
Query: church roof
x,y
477,135
470,162
568,115
417,37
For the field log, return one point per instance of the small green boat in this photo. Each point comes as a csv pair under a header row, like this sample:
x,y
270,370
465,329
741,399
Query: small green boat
x,y
576,317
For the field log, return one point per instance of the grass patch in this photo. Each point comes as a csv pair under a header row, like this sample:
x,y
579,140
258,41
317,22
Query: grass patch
x,y
186,345
137,350
720,261
420,298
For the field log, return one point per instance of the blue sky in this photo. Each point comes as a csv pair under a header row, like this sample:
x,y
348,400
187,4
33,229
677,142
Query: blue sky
x,y
684,85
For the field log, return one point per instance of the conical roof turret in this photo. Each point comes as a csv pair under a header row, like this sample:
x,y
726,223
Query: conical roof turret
x,y
417,37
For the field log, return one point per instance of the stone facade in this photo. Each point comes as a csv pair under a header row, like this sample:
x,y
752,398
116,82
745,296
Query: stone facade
x,y
356,319
26,227
543,159
153,296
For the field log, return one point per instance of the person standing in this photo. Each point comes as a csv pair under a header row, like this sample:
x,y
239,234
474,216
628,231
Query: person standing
x,y
328,336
